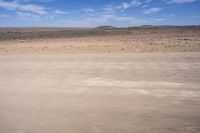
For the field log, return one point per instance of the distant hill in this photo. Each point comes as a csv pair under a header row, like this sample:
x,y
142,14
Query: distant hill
x,y
151,27
106,27
162,26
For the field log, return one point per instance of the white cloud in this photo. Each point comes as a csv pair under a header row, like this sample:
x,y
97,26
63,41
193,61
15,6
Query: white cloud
x,y
136,3
14,5
165,18
104,19
89,10
125,5
108,15
28,16
59,12
145,6
133,3
152,10
109,9
180,1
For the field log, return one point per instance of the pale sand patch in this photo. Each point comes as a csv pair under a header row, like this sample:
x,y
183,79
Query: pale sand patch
x,y
116,83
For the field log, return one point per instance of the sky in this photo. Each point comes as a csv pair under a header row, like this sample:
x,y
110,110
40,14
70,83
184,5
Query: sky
x,y
93,13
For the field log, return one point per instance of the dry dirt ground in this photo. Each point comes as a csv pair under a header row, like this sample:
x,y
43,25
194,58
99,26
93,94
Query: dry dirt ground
x,y
136,93
114,41
129,81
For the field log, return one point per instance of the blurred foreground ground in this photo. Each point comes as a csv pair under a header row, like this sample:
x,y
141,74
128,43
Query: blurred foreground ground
x,y
154,93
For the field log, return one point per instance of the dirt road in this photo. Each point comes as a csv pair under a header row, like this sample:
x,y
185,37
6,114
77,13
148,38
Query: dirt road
x,y
136,93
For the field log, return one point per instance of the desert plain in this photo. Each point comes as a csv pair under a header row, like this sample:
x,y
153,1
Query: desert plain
x,y
100,80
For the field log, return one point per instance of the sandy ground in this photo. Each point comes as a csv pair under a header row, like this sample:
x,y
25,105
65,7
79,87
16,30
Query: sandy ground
x,y
135,93
134,41
134,81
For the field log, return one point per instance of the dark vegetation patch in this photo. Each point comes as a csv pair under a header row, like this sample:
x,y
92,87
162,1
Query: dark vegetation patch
x,y
32,34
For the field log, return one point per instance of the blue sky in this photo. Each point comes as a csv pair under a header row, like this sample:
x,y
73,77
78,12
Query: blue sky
x,y
92,13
